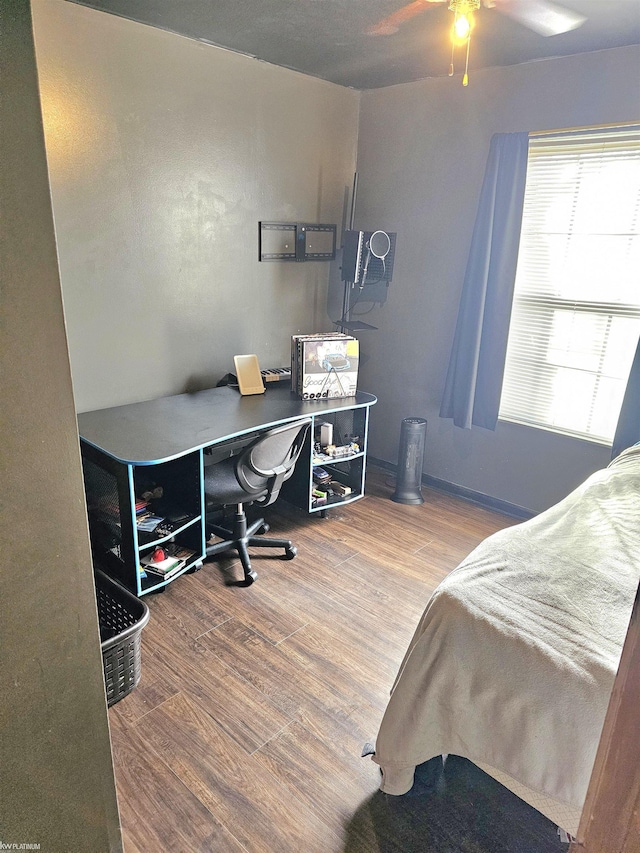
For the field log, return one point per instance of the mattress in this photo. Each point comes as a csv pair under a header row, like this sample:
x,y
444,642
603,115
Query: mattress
x,y
513,661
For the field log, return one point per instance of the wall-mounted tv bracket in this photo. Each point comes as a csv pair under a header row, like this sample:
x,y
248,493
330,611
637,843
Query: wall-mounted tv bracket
x,y
296,241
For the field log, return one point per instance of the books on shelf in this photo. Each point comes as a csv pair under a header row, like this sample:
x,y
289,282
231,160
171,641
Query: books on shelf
x,y
148,523
324,365
165,562
141,506
184,554
153,575
158,562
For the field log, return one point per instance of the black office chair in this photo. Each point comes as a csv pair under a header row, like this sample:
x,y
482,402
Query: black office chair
x,y
255,475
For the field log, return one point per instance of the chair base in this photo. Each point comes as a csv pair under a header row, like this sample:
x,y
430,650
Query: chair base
x,y
240,537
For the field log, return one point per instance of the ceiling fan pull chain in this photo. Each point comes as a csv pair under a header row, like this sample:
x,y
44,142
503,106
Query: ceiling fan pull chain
x,y
465,78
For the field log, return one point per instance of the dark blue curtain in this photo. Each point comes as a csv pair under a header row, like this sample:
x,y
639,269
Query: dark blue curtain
x,y
628,429
474,379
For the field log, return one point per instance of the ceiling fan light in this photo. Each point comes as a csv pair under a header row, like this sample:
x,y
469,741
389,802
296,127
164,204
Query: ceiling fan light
x,y
461,32
462,27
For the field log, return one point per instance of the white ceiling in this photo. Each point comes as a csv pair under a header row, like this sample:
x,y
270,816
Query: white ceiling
x,y
328,38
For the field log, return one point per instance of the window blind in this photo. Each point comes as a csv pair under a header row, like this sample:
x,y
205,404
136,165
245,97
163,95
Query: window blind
x,y
575,319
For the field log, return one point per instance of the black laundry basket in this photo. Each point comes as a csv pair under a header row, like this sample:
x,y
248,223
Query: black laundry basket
x,y
122,616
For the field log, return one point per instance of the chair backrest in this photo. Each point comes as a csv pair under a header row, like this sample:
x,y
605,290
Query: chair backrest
x,y
266,463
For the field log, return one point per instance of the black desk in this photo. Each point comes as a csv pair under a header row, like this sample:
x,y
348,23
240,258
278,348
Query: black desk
x,y
164,443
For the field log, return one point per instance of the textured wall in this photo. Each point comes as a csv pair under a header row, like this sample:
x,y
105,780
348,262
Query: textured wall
x,y
56,784
421,159
164,155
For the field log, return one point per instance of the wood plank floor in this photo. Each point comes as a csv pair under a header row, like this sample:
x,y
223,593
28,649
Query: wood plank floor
x,y
246,730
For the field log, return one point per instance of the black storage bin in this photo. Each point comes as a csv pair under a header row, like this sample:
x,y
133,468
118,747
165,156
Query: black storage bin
x,y
122,616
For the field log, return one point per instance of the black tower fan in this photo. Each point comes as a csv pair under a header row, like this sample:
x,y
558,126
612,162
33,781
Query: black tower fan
x,y
410,455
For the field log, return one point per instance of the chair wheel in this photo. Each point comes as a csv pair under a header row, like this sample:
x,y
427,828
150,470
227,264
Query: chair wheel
x,y
249,578
264,528
290,553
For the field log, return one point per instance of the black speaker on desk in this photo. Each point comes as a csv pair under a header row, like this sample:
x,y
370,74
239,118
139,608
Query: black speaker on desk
x,y
410,456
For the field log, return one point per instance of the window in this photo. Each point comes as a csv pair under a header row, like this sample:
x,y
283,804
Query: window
x,y
575,320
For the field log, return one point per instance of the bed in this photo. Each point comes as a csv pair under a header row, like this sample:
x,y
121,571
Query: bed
x,y
513,661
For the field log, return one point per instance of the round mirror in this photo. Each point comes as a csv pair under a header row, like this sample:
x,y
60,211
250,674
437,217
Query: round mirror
x,y
379,244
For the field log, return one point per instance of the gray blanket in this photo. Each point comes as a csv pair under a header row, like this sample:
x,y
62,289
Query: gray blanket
x,y
513,661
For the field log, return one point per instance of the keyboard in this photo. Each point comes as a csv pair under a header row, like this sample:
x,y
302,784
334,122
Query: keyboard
x,y
276,374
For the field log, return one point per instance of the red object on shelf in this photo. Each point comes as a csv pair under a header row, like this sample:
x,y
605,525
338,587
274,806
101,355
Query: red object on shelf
x,y
158,555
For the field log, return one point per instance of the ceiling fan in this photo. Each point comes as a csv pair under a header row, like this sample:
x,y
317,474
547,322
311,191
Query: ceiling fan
x,y
541,16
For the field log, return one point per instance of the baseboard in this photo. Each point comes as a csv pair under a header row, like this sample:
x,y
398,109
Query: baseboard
x,y
470,495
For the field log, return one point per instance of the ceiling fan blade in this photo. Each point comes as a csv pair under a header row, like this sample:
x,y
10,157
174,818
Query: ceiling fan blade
x,y
541,16
391,24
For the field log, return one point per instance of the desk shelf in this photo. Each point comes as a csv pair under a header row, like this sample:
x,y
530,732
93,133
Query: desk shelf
x,y
112,489
347,426
147,540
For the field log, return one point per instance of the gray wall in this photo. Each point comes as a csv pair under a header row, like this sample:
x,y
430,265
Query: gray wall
x,y
56,785
421,157
164,155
